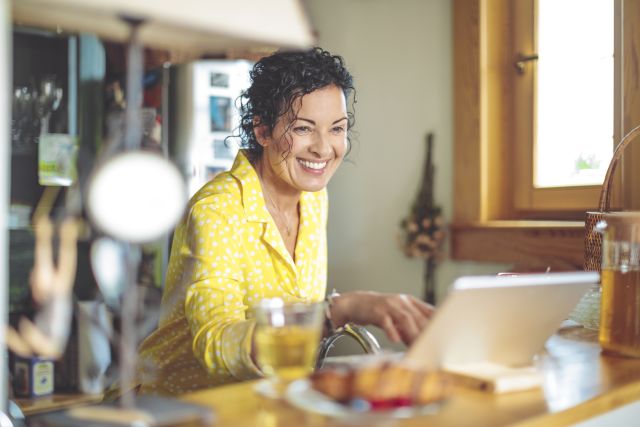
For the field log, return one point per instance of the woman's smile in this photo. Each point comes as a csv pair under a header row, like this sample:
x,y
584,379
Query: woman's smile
x,y
314,167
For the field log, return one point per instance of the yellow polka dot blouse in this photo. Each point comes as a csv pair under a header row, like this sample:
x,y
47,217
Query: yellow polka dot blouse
x,y
227,255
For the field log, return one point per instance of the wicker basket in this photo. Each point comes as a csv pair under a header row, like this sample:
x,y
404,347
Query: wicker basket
x,y
593,239
587,312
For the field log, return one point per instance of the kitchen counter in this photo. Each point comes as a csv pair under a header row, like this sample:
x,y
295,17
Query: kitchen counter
x,y
580,383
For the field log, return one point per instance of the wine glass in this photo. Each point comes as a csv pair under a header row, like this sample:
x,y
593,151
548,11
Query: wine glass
x,y
286,341
48,101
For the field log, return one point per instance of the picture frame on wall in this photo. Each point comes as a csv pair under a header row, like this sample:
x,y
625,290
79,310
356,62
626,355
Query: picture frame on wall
x,y
220,113
220,80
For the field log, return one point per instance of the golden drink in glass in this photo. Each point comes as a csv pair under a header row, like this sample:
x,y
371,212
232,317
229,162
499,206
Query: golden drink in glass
x,y
620,315
286,340
620,283
288,352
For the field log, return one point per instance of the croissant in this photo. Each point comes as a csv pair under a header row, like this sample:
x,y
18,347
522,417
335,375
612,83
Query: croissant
x,y
382,385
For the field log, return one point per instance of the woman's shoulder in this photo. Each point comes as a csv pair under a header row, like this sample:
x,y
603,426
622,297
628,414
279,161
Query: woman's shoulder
x,y
223,191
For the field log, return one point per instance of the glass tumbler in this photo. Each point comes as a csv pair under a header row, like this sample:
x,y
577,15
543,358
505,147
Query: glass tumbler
x,y
286,340
620,279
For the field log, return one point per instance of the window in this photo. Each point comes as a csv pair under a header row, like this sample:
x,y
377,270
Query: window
x,y
574,93
563,90
499,212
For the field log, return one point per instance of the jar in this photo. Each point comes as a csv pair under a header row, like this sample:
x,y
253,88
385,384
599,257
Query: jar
x,y
620,281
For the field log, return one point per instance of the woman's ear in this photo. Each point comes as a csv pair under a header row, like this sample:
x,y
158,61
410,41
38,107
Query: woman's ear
x,y
261,131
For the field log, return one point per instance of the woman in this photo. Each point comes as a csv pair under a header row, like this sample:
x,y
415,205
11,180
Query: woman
x,y
259,231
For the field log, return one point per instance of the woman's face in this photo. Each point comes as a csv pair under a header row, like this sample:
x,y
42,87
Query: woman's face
x,y
307,146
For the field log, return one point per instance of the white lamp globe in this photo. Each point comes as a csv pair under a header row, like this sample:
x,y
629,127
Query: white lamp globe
x,y
136,196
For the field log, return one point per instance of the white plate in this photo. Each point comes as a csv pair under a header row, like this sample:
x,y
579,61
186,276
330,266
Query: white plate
x,y
266,389
301,395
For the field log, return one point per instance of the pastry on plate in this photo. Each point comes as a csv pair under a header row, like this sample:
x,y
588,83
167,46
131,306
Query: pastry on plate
x,y
383,385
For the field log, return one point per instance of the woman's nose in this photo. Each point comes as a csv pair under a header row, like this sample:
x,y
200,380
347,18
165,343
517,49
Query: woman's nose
x,y
321,145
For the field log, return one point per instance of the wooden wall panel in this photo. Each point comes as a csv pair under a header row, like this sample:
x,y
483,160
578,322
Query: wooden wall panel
x,y
467,98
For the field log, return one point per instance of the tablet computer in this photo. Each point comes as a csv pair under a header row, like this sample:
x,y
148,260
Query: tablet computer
x,y
504,320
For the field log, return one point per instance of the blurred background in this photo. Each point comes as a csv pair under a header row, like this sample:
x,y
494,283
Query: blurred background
x,y
401,56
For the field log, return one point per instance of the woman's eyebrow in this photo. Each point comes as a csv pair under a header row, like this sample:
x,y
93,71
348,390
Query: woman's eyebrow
x,y
313,122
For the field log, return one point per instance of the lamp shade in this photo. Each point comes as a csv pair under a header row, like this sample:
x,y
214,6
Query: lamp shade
x,y
196,26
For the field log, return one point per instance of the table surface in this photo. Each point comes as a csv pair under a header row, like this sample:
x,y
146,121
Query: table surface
x,y
54,402
580,382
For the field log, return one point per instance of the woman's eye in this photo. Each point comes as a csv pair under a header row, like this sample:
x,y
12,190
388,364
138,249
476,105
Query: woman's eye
x,y
302,129
337,129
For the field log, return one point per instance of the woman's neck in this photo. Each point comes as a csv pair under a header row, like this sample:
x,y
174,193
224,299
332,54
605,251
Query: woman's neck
x,y
277,191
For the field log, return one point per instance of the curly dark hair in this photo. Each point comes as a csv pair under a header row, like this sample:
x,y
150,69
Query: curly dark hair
x,y
278,80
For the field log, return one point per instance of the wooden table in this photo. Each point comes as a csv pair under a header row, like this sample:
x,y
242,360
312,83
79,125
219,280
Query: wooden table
x,y
55,402
587,383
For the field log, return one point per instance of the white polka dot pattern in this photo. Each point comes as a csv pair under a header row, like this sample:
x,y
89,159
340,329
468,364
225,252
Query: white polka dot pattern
x,y
227,255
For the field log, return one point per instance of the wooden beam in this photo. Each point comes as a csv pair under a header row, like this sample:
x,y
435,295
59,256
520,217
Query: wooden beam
x,y
530,245
467,98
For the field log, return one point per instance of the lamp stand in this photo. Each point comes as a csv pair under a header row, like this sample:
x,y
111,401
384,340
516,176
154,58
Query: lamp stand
x,y
132,138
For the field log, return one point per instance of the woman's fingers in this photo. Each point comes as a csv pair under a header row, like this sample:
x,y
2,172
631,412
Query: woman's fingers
x,y
410,320
410,315
402,317
405,317
423,307
408,327
389,327
425,312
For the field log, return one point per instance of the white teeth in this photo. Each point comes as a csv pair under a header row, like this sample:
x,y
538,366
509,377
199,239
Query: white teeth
x,y
312,165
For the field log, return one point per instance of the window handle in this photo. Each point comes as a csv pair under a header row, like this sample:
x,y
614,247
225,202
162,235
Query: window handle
x,y
522,61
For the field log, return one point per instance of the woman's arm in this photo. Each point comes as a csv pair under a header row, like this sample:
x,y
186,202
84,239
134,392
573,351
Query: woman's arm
x,y
401,316
214,300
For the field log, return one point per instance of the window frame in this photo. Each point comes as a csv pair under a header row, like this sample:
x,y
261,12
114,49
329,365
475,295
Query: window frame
x,y
530,201
486,209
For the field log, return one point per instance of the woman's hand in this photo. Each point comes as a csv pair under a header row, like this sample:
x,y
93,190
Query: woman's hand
x,y
401,316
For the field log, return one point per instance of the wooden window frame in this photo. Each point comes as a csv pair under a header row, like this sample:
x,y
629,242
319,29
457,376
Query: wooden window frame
x,y
488,223
530,201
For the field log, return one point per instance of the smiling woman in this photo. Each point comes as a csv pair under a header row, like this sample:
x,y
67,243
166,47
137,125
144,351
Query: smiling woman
x,y
259,231
301,154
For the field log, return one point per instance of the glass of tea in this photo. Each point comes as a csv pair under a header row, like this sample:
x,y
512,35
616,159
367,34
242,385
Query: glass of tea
x,y
286,341
620,282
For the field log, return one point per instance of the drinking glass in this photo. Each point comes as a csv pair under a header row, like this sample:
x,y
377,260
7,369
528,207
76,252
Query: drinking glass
x,y
620,278
286,341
